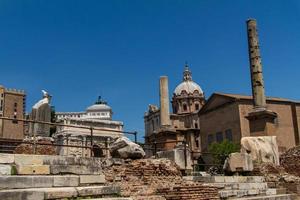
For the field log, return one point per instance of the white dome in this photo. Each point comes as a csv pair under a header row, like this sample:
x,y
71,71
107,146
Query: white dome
x,y
189,86
98,107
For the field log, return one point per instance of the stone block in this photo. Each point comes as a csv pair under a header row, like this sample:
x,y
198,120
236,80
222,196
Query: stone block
x,y
178,156
21,159
238,162
18,182
250,186
92,179
21,195
33,169
253,192
74,169
98,190
59,193
263,149
5,169
271,191
125,198
66,181
7,158
218,179
229,179
255,179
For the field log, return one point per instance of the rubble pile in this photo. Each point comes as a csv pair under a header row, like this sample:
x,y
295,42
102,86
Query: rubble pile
x,y
40,149
144,178
290,160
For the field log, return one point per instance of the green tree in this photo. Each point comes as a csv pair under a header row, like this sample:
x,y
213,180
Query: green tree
x,y
220,151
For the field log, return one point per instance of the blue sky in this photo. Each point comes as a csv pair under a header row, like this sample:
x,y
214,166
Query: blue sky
x,y
78,50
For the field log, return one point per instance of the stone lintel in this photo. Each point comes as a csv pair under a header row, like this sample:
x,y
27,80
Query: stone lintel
x,y
261,114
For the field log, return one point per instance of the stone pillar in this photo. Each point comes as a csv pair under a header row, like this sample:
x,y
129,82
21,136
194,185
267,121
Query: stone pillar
x,y
258,90
164,101
261,120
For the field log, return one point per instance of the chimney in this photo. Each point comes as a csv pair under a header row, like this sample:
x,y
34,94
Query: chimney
x,y
164,101
258,89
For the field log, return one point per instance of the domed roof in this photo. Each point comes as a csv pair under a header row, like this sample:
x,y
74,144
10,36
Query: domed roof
x,y
188,85
99,106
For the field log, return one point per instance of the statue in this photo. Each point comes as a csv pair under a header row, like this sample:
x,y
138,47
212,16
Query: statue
x,y
41,111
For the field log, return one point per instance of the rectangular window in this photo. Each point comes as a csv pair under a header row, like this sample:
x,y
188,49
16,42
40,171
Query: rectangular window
x,y
210,139
219,136
228,134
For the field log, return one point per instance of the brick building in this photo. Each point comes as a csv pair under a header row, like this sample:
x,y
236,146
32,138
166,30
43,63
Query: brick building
x,y
224,116
12,105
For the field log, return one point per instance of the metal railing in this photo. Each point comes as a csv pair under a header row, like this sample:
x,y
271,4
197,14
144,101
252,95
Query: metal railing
x,y
4,143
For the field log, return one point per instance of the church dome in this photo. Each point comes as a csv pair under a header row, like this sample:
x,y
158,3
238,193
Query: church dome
x,y
99,106
188,85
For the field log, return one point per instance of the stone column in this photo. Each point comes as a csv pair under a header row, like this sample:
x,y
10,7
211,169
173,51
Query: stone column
x,y
258,90
164,101
261,120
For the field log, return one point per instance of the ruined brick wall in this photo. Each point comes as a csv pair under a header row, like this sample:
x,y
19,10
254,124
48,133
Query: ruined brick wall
x,y
189,192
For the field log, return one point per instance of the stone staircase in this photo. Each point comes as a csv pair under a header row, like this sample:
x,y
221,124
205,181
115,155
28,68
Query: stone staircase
x,y
36,177
244,188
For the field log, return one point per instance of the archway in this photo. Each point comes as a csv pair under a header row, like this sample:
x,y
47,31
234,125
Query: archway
x,y
97,151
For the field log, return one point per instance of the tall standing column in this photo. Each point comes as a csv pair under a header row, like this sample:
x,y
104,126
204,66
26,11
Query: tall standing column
x,y
164,101
258,90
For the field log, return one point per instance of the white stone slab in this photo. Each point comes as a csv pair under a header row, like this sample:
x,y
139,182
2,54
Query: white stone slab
x,y
7,158
5,169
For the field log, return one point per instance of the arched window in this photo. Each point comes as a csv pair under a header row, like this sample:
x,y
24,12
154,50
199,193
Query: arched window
x,y
197,106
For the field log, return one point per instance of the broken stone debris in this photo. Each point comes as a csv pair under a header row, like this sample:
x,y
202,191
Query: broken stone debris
x,y
122,147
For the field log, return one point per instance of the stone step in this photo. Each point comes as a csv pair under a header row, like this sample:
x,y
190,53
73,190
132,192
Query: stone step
x,y
110,198
269,197
226,179
240,186
225,193
239,193
59,193
22,182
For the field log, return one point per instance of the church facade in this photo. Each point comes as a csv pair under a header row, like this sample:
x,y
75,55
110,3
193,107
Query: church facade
x,y
188,98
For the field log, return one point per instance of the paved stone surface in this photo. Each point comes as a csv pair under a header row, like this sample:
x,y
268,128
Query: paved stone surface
x,y
92,179
5,169
33,169
66,181
7,158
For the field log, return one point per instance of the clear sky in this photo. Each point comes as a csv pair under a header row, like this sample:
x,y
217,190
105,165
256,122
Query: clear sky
x,y
78,50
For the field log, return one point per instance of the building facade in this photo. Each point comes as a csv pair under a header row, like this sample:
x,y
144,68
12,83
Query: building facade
x,y
224,116
92,128
12,105
187,100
